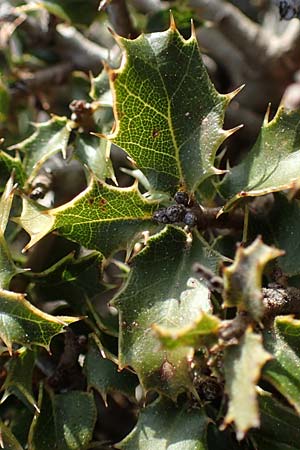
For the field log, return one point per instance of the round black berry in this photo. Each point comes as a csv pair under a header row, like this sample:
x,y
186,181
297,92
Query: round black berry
x,y
181,198
190,219
175,213
160,216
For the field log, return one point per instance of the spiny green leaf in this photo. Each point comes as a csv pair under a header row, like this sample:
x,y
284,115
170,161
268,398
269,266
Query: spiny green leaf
x,y
243,279
19,376
7,267
102,217
93,153
156,293
165,426
49,138
283,371
103,375
66,421
21,322
272,165
243,363
279,425
99,85
9,164
169,115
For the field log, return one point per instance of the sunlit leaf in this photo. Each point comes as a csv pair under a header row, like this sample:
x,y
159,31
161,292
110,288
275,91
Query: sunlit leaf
x,y
243,363
23,323
243,279
169,115
272,165
203,331
156,293
102,217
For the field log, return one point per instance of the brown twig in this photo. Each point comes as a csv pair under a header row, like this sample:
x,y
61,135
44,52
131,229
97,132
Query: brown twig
x,y
120,19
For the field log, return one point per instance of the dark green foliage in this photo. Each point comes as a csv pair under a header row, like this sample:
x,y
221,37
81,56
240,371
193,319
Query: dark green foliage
x,y
124,232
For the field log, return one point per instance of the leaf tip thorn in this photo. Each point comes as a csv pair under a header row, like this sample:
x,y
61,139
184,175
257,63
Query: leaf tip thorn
x,y
193,31
267,115
172,21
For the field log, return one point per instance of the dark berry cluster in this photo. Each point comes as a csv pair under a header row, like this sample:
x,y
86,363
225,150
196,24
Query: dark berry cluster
x,y
288,9
180,212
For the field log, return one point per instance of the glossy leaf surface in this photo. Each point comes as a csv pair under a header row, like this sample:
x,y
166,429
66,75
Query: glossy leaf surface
x,y
66,421
102,217
156,293
169,115
164,426
272,165
23,323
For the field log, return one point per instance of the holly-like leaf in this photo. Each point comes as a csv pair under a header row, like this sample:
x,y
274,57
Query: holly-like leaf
x,y
93,154
23,323
272,165
49,138
279,425
169,115
102,217
103,375
165,426
7,267
203,331
19,376
243,363
156,293
243,279
65,422
99,85
9,164
283,371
